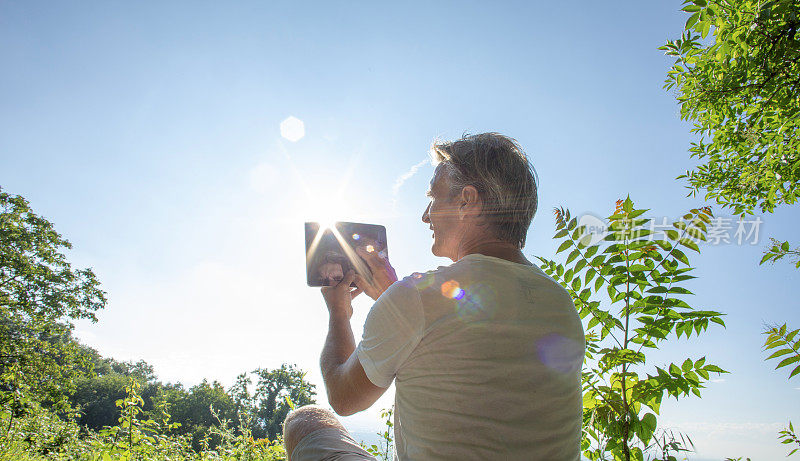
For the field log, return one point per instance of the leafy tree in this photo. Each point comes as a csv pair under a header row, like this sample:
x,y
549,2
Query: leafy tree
x,y
243,401
737,77
95,398
629,289
40,294
193,410
104,383
276,391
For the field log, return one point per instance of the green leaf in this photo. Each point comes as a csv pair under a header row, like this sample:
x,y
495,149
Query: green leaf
x,y
564,245
779,353
627,205
598,283
649,420
788,361
689,244
576,284
589,275
574,254
692,21
795,371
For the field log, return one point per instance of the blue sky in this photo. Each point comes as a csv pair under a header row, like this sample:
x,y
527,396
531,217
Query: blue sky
x,y
149,134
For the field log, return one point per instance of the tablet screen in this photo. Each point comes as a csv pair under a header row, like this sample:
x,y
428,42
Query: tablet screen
x,y
330,250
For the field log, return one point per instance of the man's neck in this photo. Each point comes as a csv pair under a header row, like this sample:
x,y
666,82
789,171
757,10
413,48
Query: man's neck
x,y
494,248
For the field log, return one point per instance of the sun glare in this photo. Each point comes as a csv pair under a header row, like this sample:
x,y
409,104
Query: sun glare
x,y
325,198
326,224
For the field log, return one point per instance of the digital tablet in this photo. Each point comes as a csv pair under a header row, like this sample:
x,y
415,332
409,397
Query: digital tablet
x,y
330,250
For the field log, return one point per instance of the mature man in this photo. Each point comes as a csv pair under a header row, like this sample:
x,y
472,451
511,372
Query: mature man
x,y
485,353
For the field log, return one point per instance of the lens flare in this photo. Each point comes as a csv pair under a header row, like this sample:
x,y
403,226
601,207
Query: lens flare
x,y
356,236
293,129
369,248
422,281
475,303
450,289
560,353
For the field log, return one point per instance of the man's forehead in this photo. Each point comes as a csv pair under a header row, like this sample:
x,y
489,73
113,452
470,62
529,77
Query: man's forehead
x,y
438,175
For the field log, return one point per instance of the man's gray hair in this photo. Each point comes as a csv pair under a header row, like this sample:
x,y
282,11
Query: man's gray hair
x,y
503,176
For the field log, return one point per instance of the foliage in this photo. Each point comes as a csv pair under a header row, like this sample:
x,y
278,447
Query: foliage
x,y
741,88
41,435
788,343
135,437
122,411
276,391
788,436
197,409
642,277
40,293
667,445
193,409
780,250
383,450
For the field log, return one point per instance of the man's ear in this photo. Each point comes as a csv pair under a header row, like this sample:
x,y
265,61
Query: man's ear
x,y
471,203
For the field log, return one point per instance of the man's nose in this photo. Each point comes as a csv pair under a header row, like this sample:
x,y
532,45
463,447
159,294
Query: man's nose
x,y
426,217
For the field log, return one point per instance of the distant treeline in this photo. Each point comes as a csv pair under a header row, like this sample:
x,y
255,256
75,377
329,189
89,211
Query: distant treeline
x,y
258,400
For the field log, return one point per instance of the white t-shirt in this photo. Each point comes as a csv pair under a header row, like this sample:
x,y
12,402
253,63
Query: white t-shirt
x,y
486,354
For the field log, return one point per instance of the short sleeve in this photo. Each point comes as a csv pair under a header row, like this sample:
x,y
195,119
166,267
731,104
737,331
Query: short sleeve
x,y
392,330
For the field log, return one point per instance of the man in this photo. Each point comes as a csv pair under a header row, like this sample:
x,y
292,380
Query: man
x,y
485,353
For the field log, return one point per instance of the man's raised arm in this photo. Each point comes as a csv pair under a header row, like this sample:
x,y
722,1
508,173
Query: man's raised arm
x,y
348,387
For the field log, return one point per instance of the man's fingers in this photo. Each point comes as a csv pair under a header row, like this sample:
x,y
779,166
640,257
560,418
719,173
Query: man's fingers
x,y
355,293
361,282
372,258
347,279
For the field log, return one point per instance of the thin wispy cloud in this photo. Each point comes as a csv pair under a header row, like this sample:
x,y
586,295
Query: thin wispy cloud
x,y
398,183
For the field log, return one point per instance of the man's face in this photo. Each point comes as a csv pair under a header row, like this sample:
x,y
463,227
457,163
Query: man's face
x,y
331,273
442,215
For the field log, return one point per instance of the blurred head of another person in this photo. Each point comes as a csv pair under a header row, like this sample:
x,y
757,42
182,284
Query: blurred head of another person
x,y
483,190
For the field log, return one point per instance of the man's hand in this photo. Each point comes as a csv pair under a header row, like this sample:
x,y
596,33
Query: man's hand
x,y
383,274
339,297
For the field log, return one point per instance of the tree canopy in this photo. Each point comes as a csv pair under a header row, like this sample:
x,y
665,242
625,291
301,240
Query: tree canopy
x,y
40,294
737,77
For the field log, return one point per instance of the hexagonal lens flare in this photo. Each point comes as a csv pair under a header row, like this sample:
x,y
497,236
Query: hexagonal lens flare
x,y
293,128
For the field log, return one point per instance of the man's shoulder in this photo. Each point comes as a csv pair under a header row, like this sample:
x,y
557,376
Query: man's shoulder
x,y
422,281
